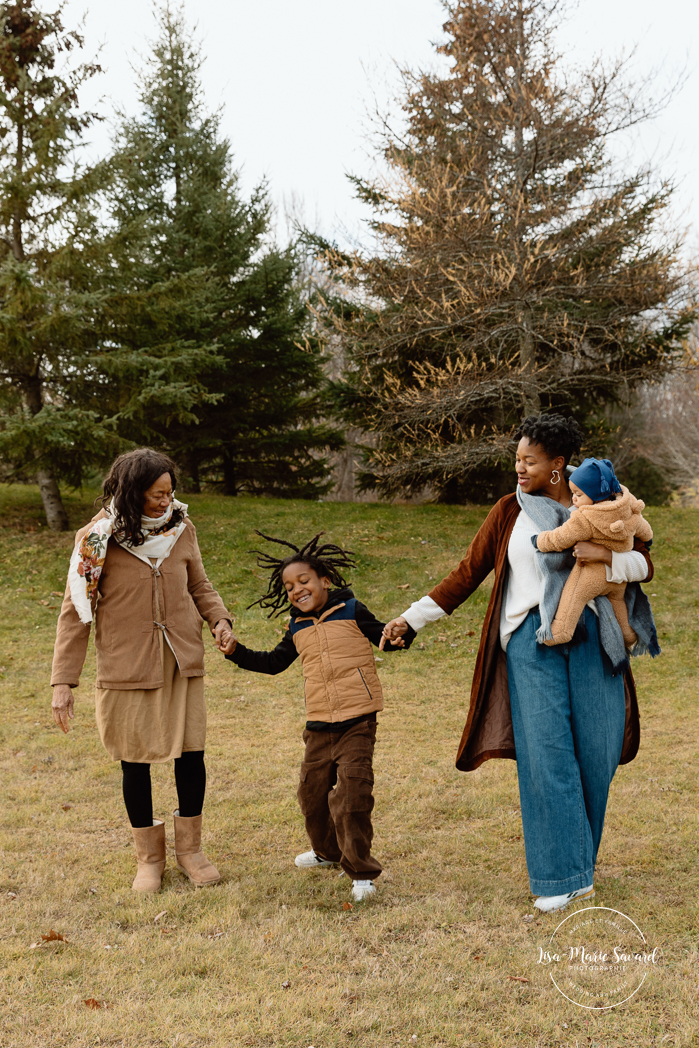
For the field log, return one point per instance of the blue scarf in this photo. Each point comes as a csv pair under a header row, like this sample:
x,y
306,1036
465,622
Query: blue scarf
x,y
555,568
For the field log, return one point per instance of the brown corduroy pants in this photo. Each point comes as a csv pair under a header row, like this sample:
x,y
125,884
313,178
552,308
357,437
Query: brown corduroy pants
x,y
336,797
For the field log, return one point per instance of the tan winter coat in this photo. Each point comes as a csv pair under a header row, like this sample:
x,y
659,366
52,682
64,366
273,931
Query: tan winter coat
x,y
126,634
613,524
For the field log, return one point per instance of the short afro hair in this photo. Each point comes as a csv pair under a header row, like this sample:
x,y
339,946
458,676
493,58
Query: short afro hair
x,y
554,433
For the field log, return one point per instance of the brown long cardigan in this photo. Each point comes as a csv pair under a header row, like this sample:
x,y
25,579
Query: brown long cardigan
x,y
488,732
127,637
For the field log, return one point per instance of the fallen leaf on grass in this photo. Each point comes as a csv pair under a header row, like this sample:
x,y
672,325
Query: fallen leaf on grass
x,y
159,915
347,906
471,633
44,602
528,917
406,586
478,956
55,593
12,895
286,984
91,1002
53,937
66,807
518,978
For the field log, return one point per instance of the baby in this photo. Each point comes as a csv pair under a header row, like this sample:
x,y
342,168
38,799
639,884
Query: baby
x,y
608,514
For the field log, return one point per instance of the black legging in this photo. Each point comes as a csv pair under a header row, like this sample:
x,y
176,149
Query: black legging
x,y
190,780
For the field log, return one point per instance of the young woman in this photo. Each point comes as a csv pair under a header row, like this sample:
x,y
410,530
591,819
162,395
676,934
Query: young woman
x,y
137,568
567,714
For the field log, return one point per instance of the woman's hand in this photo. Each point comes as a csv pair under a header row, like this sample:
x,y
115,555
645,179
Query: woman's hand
x,y
592,553
62,706
222,632
394,631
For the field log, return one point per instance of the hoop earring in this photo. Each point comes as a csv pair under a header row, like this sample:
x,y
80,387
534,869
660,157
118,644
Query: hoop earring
x,y
555,477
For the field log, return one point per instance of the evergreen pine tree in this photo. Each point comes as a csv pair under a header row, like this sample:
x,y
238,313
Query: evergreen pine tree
x,y
517,268
79,356
46,204
176,187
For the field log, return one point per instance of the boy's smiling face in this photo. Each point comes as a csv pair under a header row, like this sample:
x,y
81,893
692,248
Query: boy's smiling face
x,y
306,590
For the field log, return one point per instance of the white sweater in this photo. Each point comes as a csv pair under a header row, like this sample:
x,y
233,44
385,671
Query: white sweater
x,y
524,584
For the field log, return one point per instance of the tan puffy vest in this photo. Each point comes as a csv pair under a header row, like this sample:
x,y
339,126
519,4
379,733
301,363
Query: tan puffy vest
x,y
339,672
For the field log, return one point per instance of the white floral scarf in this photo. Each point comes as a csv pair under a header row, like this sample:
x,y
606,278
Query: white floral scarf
x,y
88,556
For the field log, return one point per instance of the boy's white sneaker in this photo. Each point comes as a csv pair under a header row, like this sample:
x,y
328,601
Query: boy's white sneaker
x,y
549,903
362,890
309,860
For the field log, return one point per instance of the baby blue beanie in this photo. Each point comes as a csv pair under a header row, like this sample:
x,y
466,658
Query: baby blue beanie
x,y
596,477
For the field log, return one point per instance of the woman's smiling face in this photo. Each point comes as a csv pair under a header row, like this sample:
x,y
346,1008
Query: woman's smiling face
x,y
306,590
158,497
535,469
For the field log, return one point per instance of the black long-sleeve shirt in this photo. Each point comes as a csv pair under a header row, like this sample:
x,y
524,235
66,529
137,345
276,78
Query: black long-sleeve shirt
x,y
282,656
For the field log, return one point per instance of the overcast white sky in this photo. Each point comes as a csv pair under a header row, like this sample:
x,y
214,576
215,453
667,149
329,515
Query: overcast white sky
x,y
296,77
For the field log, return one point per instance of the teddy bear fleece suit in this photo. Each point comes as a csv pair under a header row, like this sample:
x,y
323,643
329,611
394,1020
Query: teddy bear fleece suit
x,y
613,524
343,694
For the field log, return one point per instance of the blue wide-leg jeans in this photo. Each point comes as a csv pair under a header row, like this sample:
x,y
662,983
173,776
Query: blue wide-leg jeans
x,y
568,714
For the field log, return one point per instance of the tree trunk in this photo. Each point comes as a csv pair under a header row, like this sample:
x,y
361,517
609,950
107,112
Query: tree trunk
x,y
192,463
56,516
527,360
229,479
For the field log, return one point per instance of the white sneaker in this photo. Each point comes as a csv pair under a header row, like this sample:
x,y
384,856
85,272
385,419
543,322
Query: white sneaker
x,y
309,860
362,890
549,903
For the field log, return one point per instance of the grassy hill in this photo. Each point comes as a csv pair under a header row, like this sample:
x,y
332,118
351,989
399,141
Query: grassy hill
x,y
272,956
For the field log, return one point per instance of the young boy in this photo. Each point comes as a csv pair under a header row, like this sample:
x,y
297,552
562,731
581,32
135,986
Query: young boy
x,y
332,632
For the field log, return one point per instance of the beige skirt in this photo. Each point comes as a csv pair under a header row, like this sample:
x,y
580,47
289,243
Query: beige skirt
x,y
155,725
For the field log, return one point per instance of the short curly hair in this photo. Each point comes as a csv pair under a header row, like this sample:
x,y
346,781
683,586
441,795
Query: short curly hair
x,y
556,434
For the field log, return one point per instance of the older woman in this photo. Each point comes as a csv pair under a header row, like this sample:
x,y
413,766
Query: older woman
x,y
568,714
137,569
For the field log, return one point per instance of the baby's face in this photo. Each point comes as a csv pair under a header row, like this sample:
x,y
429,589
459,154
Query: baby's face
x,y
579,497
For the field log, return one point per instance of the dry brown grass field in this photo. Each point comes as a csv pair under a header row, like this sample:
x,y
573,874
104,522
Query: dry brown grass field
x,y
271,957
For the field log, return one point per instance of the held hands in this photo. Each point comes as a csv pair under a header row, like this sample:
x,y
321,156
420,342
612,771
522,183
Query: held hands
x,y
62,706
393,631
223,637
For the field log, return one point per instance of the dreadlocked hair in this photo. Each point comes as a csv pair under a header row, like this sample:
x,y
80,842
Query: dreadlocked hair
x,y
554,433
326,560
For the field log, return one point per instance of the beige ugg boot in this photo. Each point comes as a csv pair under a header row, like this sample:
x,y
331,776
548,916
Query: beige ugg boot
x,y
150,852
190,858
